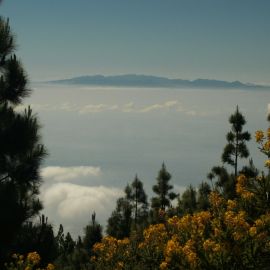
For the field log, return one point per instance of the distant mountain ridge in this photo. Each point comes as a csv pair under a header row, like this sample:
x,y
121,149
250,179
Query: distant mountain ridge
x,y
133,80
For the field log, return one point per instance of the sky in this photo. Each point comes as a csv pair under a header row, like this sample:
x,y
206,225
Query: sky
x,y
188,39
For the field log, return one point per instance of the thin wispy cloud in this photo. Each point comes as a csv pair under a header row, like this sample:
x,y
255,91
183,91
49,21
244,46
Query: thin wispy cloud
x,y
171,104
98,108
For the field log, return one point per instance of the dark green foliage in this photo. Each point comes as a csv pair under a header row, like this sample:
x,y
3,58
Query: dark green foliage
x,y
138,199
188,202
60,238
37,237
78,260
250,171
203,193
162,189
120,221
131,211
70,255
21,152
236,138
92,234
225,182
69,244
193,200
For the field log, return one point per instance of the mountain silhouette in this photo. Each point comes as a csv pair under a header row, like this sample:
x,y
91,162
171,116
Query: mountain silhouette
x,y
132,80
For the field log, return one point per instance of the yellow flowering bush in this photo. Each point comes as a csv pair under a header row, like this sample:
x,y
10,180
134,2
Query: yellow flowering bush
x,y
111,253
263,139
232,234
29,262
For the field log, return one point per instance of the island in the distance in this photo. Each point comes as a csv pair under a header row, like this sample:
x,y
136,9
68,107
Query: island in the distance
x,y
133,80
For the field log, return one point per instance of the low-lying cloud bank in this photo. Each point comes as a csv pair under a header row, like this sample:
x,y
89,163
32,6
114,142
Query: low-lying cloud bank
x,y
70,201
71,204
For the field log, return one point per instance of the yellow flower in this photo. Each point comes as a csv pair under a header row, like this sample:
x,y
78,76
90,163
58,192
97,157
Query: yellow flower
x,y
237,236
259,223
268,133
50,267
252,231
266,146
215,199
33,257
267,163
120,265
259,135
231,204
172,247
247,195
207,244
163,265
217,248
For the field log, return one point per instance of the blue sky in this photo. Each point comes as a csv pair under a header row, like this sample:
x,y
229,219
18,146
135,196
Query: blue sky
x,y
189,39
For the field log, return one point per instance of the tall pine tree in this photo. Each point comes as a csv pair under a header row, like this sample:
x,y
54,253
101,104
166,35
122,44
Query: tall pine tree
x,y
163,190
136,195
21,151
234,150
236,138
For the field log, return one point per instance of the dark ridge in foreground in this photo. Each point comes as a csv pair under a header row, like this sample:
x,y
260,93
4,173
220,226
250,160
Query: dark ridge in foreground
x,y
132,80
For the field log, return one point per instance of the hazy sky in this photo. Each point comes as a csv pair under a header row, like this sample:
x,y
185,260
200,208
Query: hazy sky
x,y
222,39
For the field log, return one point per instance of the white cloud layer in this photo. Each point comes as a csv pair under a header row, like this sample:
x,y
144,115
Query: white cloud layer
x,y
60,174
70,201
72,204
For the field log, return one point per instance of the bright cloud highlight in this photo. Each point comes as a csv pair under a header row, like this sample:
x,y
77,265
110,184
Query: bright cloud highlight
x,y
60,174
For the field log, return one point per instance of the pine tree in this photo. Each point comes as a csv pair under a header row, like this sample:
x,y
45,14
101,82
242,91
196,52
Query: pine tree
x,y
21,152
188,202
236,147
233,151
162,189
120,221
203,193
138,199
92,234
225,183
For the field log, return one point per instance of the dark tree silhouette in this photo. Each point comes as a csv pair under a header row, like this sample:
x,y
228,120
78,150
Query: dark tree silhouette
x,y
39,237
236,138
21,152
92,234
120,221
203,193
136,195
188,202
162,189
